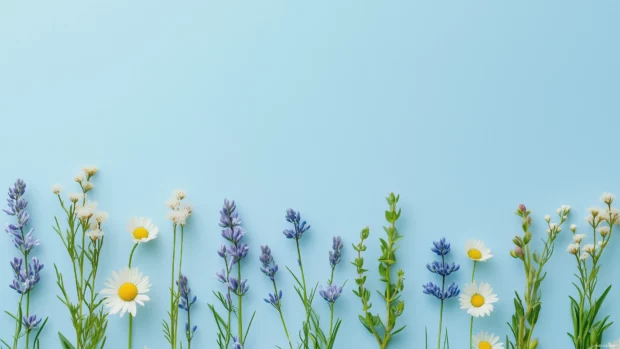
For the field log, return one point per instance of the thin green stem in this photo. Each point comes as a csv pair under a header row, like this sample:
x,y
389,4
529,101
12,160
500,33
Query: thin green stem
x,y
331,319
173,338
131,254
471,321
240,304
440,325
130,330
306,305
279,307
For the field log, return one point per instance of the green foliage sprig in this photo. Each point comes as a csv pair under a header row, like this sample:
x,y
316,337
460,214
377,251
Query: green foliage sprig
x,y
383,331
526,314
83,240
587,330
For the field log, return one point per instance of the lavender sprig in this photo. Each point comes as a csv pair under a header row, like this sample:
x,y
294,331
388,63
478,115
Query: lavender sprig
x,y
26,275
186,301
270,268
441,248
232,255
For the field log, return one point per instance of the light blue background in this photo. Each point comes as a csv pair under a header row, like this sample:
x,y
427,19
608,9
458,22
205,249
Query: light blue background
x,y
465,108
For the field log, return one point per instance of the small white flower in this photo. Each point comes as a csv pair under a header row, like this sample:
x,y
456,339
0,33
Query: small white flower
x,y
75,197
604,231
578,237
86,211
547,218
594,211
589,248
173,203
56,189
94,234
599,244
101,217
610,215
79,177
608,198
584,256
90,170
88,186
573,227
573,249
177,217
179,194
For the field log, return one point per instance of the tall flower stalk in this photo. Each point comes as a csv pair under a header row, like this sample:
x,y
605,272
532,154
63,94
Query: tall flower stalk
x,y
178,215
383,331
311,334
526,313
477,251
270,268
186,303
443,269
25,272
83,240
231,277
587,328
333,291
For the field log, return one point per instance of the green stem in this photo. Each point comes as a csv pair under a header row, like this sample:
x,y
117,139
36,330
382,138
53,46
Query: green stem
x,y
471,321
240,304
331,319
130,330
173,339
306,305
275,290
131,254
440,325
189,328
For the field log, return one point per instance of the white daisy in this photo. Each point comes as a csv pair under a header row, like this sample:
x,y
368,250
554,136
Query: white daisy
x,y
56,189
478,299
484,340
142,230
124,290
94,234
90,170
578,237
614,345
608,198
477,251
573,249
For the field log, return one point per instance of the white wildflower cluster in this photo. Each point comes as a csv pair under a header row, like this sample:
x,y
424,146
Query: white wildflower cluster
x,y
179,212
596,216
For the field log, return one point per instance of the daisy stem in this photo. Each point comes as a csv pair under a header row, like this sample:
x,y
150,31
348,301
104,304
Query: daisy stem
x,y
130,330
132,251
471,321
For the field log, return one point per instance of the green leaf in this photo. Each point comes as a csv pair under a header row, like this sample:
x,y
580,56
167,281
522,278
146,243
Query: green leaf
x,y
65,342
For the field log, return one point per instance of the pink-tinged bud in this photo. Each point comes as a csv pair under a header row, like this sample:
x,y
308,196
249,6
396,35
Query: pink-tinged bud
x,y
518,251
522,208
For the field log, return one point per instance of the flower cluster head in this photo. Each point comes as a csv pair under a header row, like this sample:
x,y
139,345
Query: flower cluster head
x,y
434,290
31,322
274,299
236,343
269,267
179,212
299,226
24,282
441,247
238,288
186,300
23,241
444,269
331,293
335,255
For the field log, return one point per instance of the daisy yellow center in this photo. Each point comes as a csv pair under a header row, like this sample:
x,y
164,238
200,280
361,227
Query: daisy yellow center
x,y
474,254
128,292
484,345
477,300
140,233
